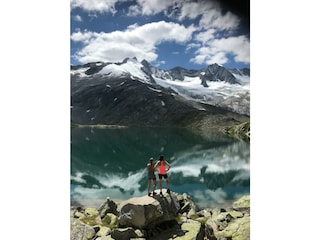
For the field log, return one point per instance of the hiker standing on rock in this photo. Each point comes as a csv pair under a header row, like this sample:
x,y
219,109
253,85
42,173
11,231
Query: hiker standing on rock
x,y
162,172
151,176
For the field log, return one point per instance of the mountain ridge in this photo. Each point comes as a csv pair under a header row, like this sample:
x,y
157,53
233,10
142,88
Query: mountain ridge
x,y
136,93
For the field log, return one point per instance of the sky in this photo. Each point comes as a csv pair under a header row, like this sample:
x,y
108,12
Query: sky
x,y
166,33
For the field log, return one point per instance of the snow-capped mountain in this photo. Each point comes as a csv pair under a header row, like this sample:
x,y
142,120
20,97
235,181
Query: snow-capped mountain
x,y
99,86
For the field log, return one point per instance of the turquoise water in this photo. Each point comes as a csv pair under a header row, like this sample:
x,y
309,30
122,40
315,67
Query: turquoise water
x,y
213,169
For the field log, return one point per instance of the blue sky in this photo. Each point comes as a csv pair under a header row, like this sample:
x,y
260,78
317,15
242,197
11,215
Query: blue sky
x,y
167,33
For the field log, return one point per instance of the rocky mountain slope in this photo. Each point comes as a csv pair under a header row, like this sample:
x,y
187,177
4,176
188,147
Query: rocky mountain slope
x,y
137,93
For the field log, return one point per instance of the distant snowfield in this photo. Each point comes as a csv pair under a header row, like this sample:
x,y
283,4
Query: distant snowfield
x,y
80,72
217,93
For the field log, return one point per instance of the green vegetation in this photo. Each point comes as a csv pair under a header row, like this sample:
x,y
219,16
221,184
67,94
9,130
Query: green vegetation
x,y
241,131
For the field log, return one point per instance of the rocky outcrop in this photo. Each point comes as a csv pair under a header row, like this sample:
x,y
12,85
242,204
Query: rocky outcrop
x,y
172,216
240,131
146,212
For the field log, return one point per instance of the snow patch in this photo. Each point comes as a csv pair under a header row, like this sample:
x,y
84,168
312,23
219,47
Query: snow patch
x,y
131,67
80,72
155,90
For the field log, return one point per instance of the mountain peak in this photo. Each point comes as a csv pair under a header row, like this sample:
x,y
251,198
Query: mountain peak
x,y
133,59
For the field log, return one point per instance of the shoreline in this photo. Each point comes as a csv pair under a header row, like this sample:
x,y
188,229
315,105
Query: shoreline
x,y
96,203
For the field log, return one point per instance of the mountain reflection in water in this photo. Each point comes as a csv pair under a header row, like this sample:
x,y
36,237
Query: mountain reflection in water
x,y
212,168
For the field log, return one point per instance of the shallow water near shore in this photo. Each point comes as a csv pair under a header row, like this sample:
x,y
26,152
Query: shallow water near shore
x,y
213,169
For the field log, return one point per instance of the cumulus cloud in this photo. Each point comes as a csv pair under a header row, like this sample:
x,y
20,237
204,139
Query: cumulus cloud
x,y
135,41
215,19
151,7
211,38
192,10
216,51
96,5
205,36
210,15
77,18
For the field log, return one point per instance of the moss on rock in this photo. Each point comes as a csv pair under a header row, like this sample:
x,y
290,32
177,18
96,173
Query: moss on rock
x,y
110,220
241,131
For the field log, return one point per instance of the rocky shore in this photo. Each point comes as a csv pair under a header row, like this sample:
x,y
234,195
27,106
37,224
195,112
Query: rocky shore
x,y
172,216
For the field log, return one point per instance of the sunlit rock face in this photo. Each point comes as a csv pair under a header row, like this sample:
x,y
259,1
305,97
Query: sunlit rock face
x,y
145,212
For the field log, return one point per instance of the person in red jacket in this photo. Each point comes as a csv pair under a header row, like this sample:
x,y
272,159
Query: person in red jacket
x,y
163,168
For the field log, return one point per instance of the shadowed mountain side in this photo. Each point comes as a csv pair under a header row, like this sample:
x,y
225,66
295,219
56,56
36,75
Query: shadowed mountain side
x,y
124,101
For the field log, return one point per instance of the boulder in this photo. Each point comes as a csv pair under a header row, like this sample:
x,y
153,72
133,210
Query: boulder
x,y
145,212
242,204
103,231
238,229
230,224
80,231
91,217
126,233
108,206
192,230
187,204
110,220
105,238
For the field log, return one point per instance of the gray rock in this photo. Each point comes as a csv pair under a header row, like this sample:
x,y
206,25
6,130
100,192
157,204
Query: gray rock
x,y
103,231
124,233
238,229
145,212
192,230
243,204
80,231
108,206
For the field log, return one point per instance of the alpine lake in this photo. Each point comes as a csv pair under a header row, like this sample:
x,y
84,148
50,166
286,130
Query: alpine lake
x,y
212,168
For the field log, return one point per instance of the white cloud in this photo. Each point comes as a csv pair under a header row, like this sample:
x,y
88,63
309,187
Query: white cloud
x,y
216,51
142,41
84,37
193,9
151,7
135,41
77,18
215,19
96,5
209,12
193,45
134,10
205,36
210,15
